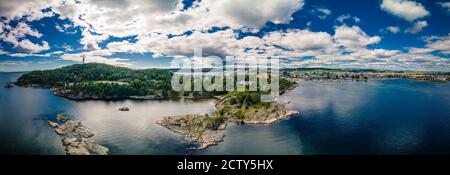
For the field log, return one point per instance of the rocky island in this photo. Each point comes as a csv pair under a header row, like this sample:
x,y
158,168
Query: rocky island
x,y
76,137
206,130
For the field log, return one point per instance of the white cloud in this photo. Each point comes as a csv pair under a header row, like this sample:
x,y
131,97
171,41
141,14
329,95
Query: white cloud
x,y
417,27
67,48
28,46
34,54
321,13
90,41
220,43
152,21
126,17
300,39
345,17
65,28
445,5
253,14
415,50
441,44
125,46
31,9
14,63
353,37
2,27
97,59
140,17
14,34
393,29
406,9
23,29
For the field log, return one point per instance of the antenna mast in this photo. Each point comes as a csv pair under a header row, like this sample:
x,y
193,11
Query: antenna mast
x,y
83,58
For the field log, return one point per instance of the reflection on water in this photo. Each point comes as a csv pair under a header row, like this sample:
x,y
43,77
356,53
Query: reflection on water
x,y
374,117
135,132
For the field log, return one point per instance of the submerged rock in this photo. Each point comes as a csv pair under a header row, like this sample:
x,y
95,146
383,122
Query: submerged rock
x,y
59,131
52,124
124,109
9,85
61,117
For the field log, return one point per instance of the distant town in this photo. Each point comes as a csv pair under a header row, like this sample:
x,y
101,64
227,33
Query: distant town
x,y
361,75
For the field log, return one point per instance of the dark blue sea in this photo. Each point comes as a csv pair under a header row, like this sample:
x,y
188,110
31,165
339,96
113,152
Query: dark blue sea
x,y
350,117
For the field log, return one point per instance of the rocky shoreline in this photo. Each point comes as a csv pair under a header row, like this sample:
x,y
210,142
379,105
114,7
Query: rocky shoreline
x,y
66,94
76,137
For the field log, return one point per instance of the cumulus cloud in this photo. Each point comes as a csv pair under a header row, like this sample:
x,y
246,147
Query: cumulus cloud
x,y
417,27
90,40
31,47
393,29
97,59
353,37
415,50
65,28
321,13
126,17
300,39
253,14
123,18
406,9
345,17
31,9
169,28
14,34
441,43
34,54
445,5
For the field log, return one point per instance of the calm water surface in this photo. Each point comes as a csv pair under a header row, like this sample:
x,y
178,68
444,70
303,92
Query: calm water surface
x,y
374,117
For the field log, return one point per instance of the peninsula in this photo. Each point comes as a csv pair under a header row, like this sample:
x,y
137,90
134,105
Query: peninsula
x,y
101,82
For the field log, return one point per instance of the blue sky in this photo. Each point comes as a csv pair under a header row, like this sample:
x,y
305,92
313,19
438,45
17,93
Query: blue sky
x,y
378,34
